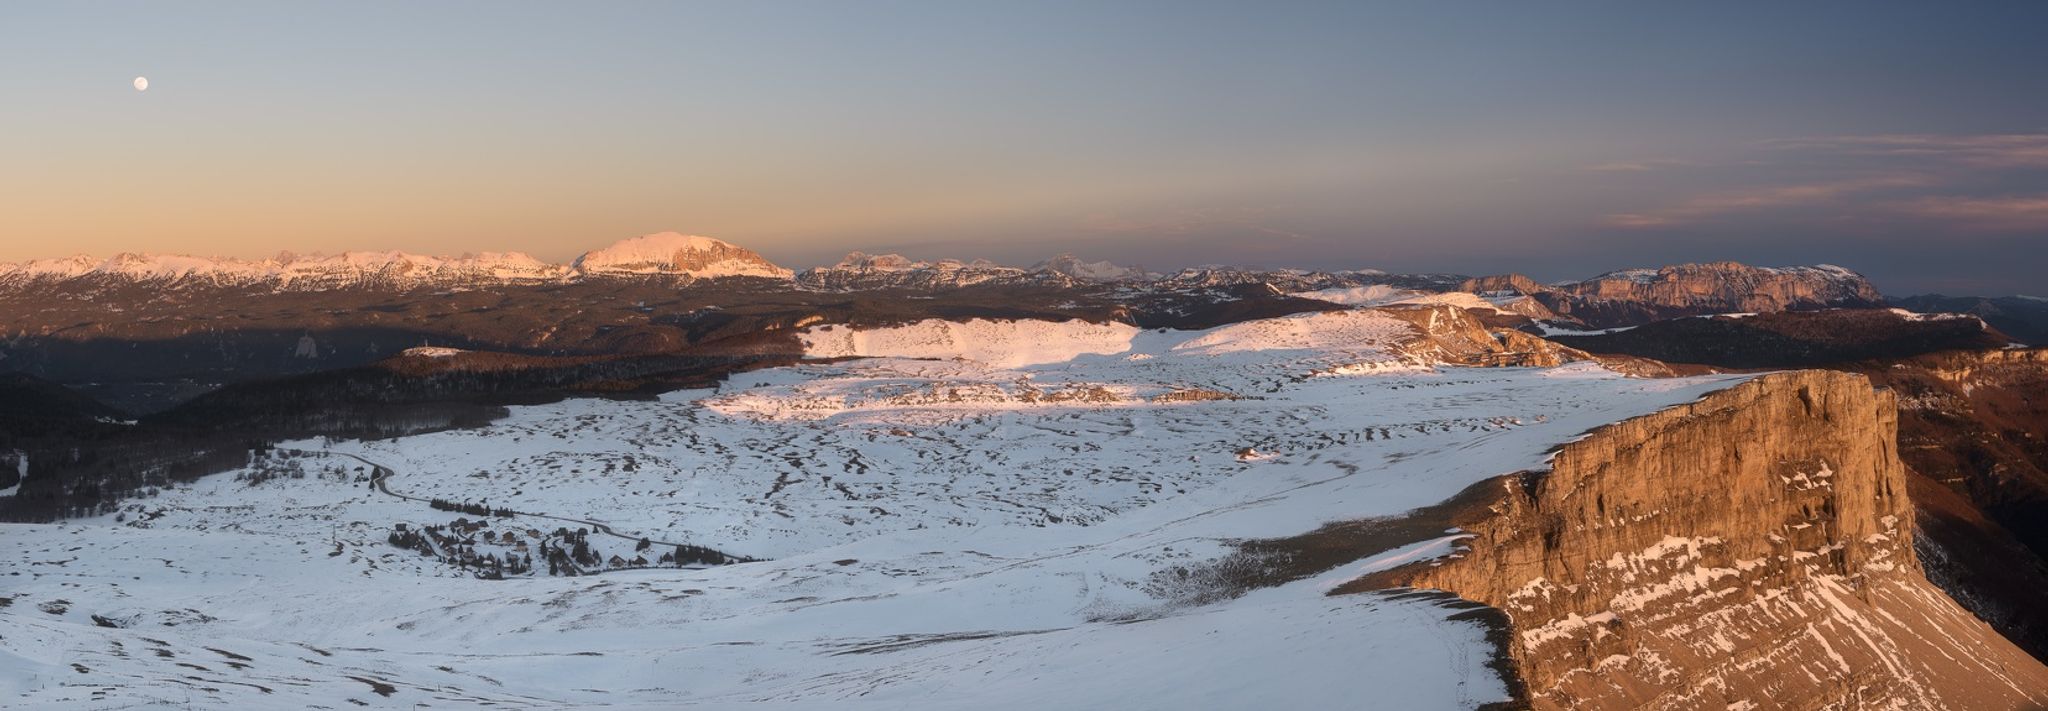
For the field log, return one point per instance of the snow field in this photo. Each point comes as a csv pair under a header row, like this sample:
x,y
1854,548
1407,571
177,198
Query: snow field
x,y
998,548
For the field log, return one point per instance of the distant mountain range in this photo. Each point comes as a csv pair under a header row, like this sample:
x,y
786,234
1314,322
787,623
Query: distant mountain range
x,y
171,318
1613,299
666,254
1635,296
184,324
1632,295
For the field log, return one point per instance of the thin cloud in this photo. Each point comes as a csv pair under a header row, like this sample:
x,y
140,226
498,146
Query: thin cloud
x,y
1620,167
1968,181
1636,166
2003,214
1993,151
1761,199
1629,221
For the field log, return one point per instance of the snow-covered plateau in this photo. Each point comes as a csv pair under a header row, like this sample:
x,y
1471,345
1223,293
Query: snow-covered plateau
x,y
989,514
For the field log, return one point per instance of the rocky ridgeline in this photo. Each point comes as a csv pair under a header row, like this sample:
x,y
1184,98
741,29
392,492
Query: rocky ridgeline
x,y
1753,550
865,272
667,257
1638,296
1994,368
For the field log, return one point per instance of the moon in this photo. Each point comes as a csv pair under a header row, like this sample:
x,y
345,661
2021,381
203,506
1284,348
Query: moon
x,y
142,83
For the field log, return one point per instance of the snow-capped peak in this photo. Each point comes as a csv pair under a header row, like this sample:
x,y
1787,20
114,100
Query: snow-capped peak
x,y
1072,266
165,266
862,261
673,253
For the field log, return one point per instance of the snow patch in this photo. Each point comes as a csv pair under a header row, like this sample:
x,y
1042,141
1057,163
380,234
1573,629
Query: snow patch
x,y
1417,552
997,343
1374,295
1352,331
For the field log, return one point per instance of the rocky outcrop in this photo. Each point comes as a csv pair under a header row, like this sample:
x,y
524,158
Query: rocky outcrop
x,y
1752,550
1505,284
1454,335
1990,368
1637,296
1524,305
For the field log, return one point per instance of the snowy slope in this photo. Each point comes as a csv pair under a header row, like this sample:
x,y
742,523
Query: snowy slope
x,y
943,533
1334,332
1369,295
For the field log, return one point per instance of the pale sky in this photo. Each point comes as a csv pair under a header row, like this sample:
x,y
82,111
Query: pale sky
x,y
1908,141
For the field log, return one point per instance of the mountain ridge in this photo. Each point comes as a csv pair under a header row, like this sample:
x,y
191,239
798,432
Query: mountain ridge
x,y
662,254
1642,294
1630,296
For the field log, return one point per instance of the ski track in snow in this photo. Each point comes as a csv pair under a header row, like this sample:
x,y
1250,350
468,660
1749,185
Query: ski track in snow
x,y
943,533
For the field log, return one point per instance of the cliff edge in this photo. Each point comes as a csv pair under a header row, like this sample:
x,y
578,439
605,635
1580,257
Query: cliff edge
x,y
1752,550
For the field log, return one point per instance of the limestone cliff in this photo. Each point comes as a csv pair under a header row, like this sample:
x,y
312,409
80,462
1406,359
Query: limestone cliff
x,y
1637,296
1753,550
1973,431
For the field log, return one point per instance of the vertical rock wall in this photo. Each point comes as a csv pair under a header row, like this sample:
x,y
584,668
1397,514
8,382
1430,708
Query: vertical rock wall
x,y
1752,550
